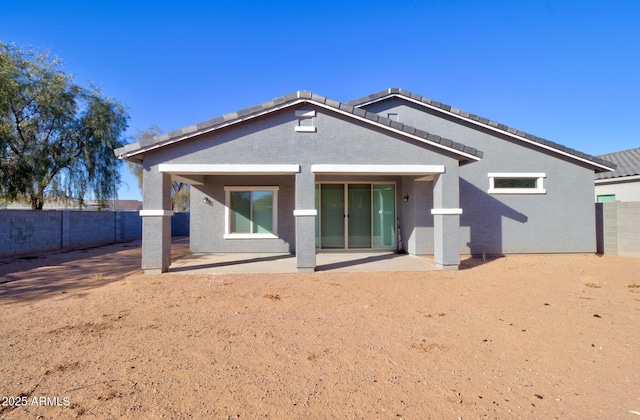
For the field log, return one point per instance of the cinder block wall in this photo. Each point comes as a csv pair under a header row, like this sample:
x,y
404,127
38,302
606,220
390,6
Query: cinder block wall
x,y
620,228
28,232
180,223
628,228
129,226
91,228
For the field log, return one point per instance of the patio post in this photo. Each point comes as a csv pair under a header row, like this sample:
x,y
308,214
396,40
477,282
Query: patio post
x,y
305,214
446,219
156,221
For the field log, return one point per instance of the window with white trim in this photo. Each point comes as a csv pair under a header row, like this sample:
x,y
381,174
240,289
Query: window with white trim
x,y
517,183
251,212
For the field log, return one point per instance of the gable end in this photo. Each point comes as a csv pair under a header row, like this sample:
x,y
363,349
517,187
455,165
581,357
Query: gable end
x,y
599,164
134,152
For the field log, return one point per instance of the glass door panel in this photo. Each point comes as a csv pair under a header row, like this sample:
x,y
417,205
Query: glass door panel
x,y
359,220
384,217
332,216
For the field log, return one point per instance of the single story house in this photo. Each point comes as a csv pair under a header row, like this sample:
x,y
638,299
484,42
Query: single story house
x,y
624,183
303,174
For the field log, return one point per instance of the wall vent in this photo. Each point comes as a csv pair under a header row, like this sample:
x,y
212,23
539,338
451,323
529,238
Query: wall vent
x,y
305,121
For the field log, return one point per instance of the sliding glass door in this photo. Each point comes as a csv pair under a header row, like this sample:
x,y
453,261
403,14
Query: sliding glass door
x,y
355,216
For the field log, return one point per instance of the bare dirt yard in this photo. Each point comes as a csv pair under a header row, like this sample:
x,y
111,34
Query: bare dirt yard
x,y
85,334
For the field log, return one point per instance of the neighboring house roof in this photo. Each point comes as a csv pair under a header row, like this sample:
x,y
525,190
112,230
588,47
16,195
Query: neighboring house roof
x,y
89,205
628,162
127,205
599,163
133,152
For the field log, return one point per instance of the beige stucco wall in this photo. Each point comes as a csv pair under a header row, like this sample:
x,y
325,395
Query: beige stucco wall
x,y
624,191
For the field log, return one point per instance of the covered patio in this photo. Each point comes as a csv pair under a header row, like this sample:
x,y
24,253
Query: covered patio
x,y
243,263
300,174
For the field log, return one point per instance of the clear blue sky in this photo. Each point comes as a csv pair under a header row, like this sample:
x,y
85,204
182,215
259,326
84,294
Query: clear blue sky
x,y
568,71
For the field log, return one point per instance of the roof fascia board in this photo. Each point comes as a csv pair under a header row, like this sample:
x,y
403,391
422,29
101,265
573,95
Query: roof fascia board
x,y
403,133
479,124
154,146
290,104
618,180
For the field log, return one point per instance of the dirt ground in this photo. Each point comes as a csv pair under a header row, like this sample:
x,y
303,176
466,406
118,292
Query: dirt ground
x,y
85,334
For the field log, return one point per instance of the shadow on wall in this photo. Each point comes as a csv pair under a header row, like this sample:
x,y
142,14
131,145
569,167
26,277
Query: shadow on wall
x,y
484,215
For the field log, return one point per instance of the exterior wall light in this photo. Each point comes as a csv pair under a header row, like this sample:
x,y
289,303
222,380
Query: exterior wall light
x,y
207,201
405,198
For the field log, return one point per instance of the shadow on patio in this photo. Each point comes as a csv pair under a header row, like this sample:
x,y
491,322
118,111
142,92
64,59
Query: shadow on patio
x,y
286,263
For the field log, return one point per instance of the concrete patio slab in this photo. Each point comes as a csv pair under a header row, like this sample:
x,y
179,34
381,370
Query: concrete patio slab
x,y
286,263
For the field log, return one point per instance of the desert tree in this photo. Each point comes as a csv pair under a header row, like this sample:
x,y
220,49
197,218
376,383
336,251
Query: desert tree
x,y
56,137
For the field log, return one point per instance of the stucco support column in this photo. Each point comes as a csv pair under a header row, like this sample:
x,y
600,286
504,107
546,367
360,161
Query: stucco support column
x,y
446,219
421,205
156,221
305,212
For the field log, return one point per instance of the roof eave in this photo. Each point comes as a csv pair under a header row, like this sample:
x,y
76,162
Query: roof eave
x,y
598,167
618,179
129,152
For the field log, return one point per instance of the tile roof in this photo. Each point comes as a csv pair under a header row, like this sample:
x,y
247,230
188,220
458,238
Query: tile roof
x,y
628,162
484,121
130,150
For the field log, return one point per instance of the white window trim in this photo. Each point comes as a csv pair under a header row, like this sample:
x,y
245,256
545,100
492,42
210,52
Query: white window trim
x,y
227,213
539,183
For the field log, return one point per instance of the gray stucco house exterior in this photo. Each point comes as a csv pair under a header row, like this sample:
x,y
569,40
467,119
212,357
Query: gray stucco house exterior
x,y
303,174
